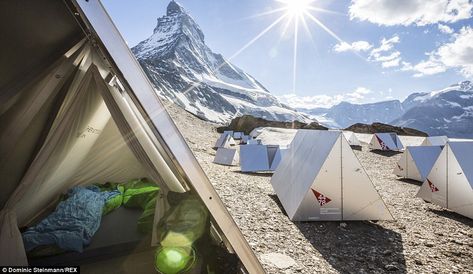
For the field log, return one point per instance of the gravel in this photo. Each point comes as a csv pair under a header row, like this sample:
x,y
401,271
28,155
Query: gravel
x,y
424,238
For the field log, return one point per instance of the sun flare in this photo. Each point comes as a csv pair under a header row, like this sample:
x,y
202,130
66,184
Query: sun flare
x,y
297,7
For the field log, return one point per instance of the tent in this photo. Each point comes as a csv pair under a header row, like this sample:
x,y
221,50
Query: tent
x,y
351,138
227,156
435,141
254,158
274,136
386,141
237,135
416,162
225,140
244,139
450,182
76,108
321,179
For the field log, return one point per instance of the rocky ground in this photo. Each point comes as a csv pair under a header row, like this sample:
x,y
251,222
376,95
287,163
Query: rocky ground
x,y
424,238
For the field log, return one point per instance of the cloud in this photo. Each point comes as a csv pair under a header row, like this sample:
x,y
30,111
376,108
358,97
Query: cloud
x,y
445,29
386,54
410,12
457,54
355,46
317,101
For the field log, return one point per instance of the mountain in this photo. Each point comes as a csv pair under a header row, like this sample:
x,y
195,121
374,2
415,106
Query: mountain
x,y
444,112
345,114
186,71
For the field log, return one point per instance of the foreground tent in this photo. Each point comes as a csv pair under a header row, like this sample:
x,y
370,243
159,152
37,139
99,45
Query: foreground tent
x,y
435,141
450,182
386,141
351,138
225,140
416,162
75,109
320,179
227,156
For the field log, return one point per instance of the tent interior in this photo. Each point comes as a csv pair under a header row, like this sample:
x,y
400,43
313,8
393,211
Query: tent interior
x,y
84,178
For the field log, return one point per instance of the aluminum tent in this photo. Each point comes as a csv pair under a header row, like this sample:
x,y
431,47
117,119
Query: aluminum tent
x,y
435,141
416,162
321,179
254,158
225,140
351,138
386,141
227,156
450,182
77,108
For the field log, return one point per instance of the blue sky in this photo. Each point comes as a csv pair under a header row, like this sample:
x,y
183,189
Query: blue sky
x,y
427,46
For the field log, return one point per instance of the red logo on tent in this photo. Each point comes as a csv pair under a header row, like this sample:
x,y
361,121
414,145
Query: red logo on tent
x,y
322,199
433,188
382,144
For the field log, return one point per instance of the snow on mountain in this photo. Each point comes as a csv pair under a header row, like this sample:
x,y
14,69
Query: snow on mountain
x,y
346,114
186,71
444,112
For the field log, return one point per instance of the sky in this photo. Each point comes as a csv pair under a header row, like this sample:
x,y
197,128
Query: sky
x,y
361,51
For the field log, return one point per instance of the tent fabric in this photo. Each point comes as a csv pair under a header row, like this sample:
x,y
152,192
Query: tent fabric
x,y
450,182
386,141
435,141
227,156
12,250
320,178
416,162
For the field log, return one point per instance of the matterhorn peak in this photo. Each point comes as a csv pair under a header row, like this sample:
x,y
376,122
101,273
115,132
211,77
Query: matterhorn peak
x,y
174,8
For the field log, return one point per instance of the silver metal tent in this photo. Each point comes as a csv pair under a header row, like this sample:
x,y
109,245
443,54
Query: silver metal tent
x,y
450,182
416,162
386,141
79,56
320,179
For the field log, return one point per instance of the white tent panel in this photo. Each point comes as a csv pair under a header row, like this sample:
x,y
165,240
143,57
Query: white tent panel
x,y
434,188
254,158
435,141
361,201
225,140
460,178
298,169
416,162
275,136
320,178
227,156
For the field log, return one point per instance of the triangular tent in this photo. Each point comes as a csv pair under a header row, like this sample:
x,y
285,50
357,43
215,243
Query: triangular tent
x,y
351,138
77,109
225,140
450,182
435,141
244,140
386,141
227,156
321,179
416,162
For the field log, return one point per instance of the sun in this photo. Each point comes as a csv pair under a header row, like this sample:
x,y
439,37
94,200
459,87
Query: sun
x,y
296,7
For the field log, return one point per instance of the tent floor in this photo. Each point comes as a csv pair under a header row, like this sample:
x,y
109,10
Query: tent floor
x,y
116,237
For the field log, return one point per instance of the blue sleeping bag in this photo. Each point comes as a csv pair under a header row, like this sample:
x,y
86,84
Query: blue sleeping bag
x,y
73,223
